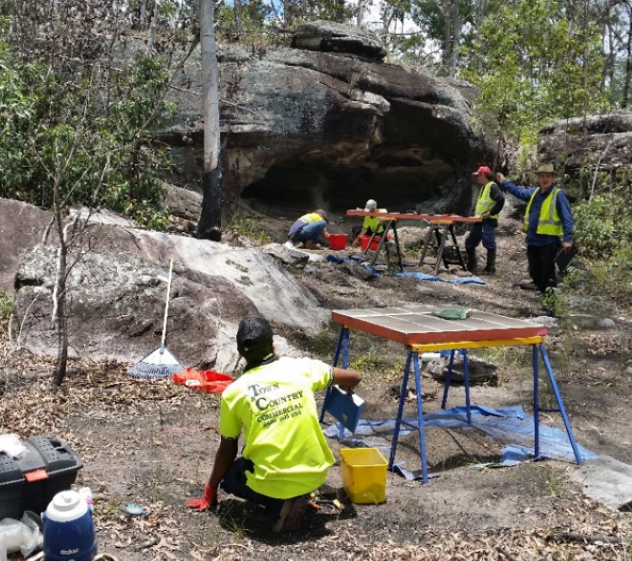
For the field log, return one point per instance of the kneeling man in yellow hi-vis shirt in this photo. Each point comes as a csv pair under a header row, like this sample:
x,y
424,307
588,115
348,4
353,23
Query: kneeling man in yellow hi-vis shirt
x,y
285,456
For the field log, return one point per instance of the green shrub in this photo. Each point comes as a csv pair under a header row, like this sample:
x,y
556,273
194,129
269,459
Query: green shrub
x,y
249,227
6,305
69,142
603,225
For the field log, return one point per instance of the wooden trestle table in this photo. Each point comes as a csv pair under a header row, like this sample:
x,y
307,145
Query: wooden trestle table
x,y
441,227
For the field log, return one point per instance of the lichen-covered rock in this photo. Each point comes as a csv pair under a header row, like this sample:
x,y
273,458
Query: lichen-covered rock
x,y
116,294
603,140
328,36
21,227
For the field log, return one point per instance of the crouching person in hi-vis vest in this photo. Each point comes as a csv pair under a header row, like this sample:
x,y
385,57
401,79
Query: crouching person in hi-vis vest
x,y
284,455
308,229
548,222
488,206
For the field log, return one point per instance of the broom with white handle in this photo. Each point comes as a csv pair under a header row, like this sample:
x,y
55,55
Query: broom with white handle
x,y
160,363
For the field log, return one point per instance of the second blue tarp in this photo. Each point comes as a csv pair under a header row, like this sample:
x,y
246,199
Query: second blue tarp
x,y
418,276
509,424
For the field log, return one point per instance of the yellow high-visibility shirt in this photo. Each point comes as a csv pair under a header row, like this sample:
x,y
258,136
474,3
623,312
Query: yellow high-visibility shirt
x,y
275,406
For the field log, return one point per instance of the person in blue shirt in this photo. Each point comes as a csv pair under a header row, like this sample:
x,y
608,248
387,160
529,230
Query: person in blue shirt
x,y
548,223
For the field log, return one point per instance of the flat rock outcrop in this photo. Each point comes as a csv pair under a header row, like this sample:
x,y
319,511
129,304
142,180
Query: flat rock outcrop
x,y
117,293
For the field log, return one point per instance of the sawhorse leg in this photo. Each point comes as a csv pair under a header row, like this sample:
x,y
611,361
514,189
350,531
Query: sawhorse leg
x,y
413,356
397,248
342,345
426,245
390,225
558,398
456,247
466,381
441,236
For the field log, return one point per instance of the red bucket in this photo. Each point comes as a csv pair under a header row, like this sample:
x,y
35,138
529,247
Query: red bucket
x,y
337,241
365,242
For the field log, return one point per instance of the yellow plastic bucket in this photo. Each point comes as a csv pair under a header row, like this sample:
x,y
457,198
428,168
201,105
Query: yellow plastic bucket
x,y
364,475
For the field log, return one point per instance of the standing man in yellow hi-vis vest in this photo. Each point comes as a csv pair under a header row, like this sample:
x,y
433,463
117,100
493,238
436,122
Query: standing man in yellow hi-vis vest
x,y
548,222
272,408
488,206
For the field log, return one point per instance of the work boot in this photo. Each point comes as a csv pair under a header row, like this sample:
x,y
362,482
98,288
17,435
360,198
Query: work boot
x,y
291,514
471,259
528,285
490,267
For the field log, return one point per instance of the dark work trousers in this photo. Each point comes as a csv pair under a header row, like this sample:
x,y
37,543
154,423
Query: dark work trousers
x,y
355,232
542,265
484,232
234,482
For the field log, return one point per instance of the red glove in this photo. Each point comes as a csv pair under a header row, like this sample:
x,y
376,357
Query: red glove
x,y
209,500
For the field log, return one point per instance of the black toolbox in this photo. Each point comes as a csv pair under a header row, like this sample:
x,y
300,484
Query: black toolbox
x,y
30,483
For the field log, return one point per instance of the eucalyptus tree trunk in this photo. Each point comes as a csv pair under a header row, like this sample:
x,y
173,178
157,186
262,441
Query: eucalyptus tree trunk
x,y
59,294
151,36
339,11
456,36
143,12
360,13
287,18
480,13
628,63
237,9
210,225
447,34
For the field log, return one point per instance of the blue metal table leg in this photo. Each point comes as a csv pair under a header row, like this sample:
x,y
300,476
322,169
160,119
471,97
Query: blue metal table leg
x,y
446,385
466,376
536,404
560,404
420,416
400,410
343,344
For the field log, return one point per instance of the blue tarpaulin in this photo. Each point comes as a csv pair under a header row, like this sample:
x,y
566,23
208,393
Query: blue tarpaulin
x,y
418,276
510,424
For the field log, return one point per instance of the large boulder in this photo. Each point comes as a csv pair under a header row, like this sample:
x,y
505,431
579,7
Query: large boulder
x,y
328,36
117,293
597,140
21,227
315,128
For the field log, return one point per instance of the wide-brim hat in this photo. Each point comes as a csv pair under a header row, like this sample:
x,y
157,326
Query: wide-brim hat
x,y
546,168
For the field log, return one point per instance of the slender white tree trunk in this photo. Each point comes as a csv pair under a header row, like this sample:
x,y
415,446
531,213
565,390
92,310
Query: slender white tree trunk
x,y
209,226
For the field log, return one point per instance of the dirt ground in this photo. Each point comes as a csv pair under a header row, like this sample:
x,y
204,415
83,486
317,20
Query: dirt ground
x,y
152,443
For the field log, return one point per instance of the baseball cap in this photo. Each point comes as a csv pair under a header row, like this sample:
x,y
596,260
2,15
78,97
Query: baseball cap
x,y
254,336
370,205
483,170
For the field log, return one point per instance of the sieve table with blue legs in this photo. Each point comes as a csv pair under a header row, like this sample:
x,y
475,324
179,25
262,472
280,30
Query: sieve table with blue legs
x,y
419,331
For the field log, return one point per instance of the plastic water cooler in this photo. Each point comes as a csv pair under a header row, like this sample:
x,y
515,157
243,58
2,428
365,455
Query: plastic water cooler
x,y
68,529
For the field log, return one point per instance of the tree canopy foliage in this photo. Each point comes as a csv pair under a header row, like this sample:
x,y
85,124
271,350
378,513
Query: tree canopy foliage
x,y
61,84
534,65
78,120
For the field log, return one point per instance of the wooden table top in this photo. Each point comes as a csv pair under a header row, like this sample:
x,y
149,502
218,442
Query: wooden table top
x,y
415,325
434,218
